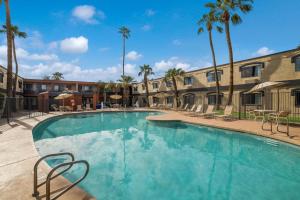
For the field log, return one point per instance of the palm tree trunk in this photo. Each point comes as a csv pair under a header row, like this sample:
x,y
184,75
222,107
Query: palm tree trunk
x,y
147,89
17,68
176,91
227,29
215,68
9,50
123,56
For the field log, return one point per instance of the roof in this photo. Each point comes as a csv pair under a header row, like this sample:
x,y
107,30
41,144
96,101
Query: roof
x,y
58,81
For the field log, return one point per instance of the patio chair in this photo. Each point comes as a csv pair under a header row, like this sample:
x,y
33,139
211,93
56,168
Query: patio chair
x,y
185,108
169,106
209,112
153,106
191,110
277,117
227,113
88,106
54,107
197,112
79,108
68,108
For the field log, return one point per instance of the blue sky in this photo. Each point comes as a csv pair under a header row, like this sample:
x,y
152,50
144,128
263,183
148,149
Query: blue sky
x,y
80,38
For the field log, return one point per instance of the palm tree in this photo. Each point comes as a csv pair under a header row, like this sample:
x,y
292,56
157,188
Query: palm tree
x,y
9,49
125,32
226,12
57,76
173,75
126,81
112,87
146,71
208,20
15,33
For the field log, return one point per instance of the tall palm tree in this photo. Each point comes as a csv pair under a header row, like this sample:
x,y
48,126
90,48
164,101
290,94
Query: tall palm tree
x,y
227,12
9,50
208,21
15,33
146,70
57,76
173,75
126,81
125,32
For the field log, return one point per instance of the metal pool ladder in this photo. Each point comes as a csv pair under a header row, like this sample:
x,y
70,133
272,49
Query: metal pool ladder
x,y
65,166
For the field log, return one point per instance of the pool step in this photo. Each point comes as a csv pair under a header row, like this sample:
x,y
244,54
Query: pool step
x,y
64,167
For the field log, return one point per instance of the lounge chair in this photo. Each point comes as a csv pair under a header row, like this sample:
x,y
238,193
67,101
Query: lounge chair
x,y
197,112
227,113
169,106
88,106
185,108
54,107
68,108
79,108
153,106
191,110
209,112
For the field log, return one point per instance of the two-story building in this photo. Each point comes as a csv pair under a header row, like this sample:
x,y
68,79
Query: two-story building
x,y
34,87
199,87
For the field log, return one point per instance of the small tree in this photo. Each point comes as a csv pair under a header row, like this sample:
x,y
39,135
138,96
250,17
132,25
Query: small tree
x,y
146,70
57,76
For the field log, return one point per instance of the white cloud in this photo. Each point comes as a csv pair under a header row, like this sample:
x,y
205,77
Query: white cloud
x,y
74,45
146,27
88,14
263,51
52,45
173,62
150,12
22,54
176,42
133,55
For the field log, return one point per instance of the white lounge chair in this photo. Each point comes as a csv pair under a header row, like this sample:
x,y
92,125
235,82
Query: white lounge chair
x,y
191,110
185,108
209,112
197,112
88,106
227,113
79,108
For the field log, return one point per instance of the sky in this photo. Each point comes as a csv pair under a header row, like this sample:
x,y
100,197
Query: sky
x,y
80,37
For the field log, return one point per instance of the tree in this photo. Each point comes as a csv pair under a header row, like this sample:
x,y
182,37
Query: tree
x,y
208,21
125,32
15,33
146,70
9,50
226,11
57,76
46,77
126,81
173,75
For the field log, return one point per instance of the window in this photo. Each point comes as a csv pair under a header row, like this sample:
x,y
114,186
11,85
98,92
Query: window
x,y
188,80
135,88
252,99
86,88
251,70
155,100
1,77
28,86
20,83
155,85
296,60
296,94
169,84
44,87
211,77
212,99
56,88
143,87
189,99
170,100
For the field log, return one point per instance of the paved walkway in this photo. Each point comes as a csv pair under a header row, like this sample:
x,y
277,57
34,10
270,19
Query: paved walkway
x,y
18,153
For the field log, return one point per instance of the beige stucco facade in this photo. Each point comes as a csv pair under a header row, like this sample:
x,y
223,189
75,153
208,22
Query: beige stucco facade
x,y
275,67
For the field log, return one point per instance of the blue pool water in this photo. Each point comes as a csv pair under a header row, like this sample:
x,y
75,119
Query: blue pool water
x,y
134,159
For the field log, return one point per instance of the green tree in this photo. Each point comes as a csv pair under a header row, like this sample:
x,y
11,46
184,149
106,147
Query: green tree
x,y
125,32
126,81
227,12
9,49
57,76
207,22
174,75
15,33
146,70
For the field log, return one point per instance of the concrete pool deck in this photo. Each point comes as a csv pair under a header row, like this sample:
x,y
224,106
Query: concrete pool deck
x,y
18,153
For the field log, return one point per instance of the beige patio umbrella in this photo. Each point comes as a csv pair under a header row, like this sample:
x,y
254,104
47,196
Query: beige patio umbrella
x,y
116,96
264,86
267,85
63,96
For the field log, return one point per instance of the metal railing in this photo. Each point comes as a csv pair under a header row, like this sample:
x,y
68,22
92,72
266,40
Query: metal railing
x,y
50,175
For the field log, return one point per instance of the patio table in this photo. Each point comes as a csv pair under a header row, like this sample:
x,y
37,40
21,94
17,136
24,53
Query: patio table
x,y
265,117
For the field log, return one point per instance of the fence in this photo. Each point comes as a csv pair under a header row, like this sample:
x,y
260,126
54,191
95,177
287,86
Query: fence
x,y
15,107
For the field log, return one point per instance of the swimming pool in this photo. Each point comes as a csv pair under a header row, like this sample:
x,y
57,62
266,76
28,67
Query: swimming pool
x,y
132,158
